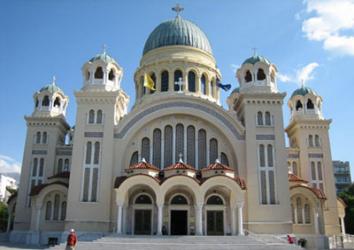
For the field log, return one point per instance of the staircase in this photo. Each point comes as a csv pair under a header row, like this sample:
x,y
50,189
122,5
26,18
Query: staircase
x,y
251,242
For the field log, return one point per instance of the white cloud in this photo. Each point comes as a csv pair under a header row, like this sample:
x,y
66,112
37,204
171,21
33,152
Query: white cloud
x,y
331,22
300,76
9,165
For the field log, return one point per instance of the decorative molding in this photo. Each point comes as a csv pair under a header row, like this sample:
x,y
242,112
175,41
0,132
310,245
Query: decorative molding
x,y
316,155
94,134
265,137
39,152
64,152
293,156
205,109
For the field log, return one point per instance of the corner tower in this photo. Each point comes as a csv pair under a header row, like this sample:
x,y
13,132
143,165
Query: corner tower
x,y
308,135
257,103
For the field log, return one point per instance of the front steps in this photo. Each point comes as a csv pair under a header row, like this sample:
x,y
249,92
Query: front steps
x,y
251,242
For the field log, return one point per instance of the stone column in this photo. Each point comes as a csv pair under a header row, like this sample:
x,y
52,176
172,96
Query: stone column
x,y
171,81
240,217
197,84
199,219
233,220
342,225
119,218
316,220
38,218
159,218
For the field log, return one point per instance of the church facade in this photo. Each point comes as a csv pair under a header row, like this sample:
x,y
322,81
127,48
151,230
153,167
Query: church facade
x,y
178,163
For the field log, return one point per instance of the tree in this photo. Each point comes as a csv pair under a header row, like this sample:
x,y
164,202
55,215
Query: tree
x,y
3,216
348,197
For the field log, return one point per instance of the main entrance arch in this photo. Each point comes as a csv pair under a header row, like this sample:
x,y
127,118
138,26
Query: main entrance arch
x,y
179,214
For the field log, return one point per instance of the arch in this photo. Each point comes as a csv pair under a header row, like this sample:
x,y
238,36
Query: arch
x,y
48,210
57,102
134,159
268,120
177,75
309,104
145,149
260,118
298,105
168,143
91,118
111,75
215,200
261,75
60,166
156,148
179,181
38,137
58,188
248,76
191,145
164,81
224,160
179,140
213,150
99,118
99,73
179,199
191,81
202,157
203,83
44,137
143,199
88,152
45,101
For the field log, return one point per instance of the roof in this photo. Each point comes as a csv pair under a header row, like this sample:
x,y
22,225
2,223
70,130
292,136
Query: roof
x,y
177,31
103,57
256,58
303,91
143,165
295,178
51,88
217,166
236,90
180,165
318,192
64,174
37,189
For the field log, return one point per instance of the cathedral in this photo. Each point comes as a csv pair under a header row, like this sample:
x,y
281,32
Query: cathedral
x,y
177,163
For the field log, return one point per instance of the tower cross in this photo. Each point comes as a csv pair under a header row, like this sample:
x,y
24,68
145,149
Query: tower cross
x,y
254,51
53,80
104,48
178,9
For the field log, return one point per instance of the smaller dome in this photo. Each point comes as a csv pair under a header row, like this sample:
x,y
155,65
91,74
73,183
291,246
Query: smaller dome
x,y
103,57
255,58
303,91
51,88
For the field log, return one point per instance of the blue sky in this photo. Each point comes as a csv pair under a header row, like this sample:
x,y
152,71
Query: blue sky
x,y
310,39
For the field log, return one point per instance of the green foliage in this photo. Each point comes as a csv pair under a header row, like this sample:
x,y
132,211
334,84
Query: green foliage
x,y
3,216
348,197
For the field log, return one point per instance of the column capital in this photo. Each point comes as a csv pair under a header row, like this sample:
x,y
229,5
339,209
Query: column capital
x,y
199,205
239,204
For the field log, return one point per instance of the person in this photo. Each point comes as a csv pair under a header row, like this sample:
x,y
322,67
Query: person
x,y
71,240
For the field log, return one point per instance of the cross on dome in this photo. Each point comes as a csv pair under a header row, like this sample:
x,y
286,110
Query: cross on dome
x,y
53,80
254,51
178,9
104,48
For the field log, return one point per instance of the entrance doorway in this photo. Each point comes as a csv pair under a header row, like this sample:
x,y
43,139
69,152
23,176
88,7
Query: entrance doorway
x,y
179,221
142,221
215,222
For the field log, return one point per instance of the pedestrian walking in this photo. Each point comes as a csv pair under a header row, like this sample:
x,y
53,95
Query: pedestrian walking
x,y
71,240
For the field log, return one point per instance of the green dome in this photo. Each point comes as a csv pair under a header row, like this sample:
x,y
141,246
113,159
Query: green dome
x,y
303,91
254,59
177,31
236,90
51,88
104,57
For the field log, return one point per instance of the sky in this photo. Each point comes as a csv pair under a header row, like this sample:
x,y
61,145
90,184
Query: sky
x,y
308,40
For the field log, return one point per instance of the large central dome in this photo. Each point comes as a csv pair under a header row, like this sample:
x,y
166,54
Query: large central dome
x,y
177,31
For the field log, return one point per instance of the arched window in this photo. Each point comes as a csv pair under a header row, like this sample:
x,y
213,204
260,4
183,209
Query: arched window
x,y
179,141
261,155
294,168
309,104
259,118
191,81
37,102
202,148
156,144
44,138
212,87
310,141
111,75
45,101
293,213
215,200
35,166
57,102
145,149
299,210
179,200
248,76
213,150
313,170
56,207
41,167
48,210
191,145
260,75
268,121
60,165
270,155
143,199
38,137
88,152
97,153
168,146
164,81
177,77
224,160
88,75
91,116
63,210
307,213
319,170
99,73
99,117
134,159
203,84
66,165
298,105
153,78
317,141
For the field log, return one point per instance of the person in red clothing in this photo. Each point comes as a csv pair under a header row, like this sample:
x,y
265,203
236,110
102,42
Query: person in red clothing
x,y
71,241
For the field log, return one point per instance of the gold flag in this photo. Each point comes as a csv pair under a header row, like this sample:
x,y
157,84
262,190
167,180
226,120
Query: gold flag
x,y
148,82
